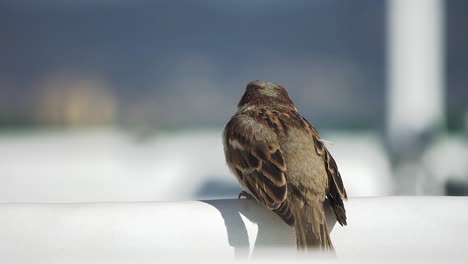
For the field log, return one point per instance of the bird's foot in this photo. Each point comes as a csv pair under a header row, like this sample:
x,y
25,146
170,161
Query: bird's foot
x,y
246,195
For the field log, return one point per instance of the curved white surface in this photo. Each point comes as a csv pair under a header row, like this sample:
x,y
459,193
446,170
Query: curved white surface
x,y
419,227
110,165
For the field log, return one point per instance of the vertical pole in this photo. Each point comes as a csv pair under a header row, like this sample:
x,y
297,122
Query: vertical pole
x,y
415,92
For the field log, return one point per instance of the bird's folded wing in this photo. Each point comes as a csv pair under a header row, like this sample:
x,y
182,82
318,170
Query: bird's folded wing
x,y
257,161
336,191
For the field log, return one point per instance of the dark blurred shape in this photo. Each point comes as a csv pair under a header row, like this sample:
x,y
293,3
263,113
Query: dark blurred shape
x,y
456,187
218,188
457,62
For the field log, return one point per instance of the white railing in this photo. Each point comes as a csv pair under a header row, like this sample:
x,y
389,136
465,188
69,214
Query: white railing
x,y
426,227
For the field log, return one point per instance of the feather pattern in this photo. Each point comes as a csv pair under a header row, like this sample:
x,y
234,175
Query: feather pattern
x,y
280,159
258,164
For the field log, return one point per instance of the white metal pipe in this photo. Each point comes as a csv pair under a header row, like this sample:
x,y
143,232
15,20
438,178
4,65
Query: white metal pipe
x,y
141,232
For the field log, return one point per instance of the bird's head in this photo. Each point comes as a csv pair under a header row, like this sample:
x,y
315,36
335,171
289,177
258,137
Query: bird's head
x,y
266,93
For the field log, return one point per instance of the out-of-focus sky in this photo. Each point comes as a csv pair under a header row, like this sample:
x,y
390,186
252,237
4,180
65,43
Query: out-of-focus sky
x,y
186,63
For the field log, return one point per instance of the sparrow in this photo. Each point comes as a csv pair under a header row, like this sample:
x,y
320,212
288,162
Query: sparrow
x,y
280,160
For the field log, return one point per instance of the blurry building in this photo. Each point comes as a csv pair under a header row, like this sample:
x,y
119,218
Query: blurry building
x,y
75,100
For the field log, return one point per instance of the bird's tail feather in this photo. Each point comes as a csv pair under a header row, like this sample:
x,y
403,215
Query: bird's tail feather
x,y
311,228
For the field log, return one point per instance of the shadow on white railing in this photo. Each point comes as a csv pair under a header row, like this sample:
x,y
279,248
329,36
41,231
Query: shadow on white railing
x,y
231,229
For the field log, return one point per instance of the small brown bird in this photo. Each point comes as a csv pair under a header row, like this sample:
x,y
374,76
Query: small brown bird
x,y
280,160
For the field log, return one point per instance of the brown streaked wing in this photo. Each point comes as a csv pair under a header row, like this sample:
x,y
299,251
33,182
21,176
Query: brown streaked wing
x,y
258,164
336,192
335,175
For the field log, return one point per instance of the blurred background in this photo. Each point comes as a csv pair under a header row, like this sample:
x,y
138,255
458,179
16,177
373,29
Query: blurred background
x,y
126,100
